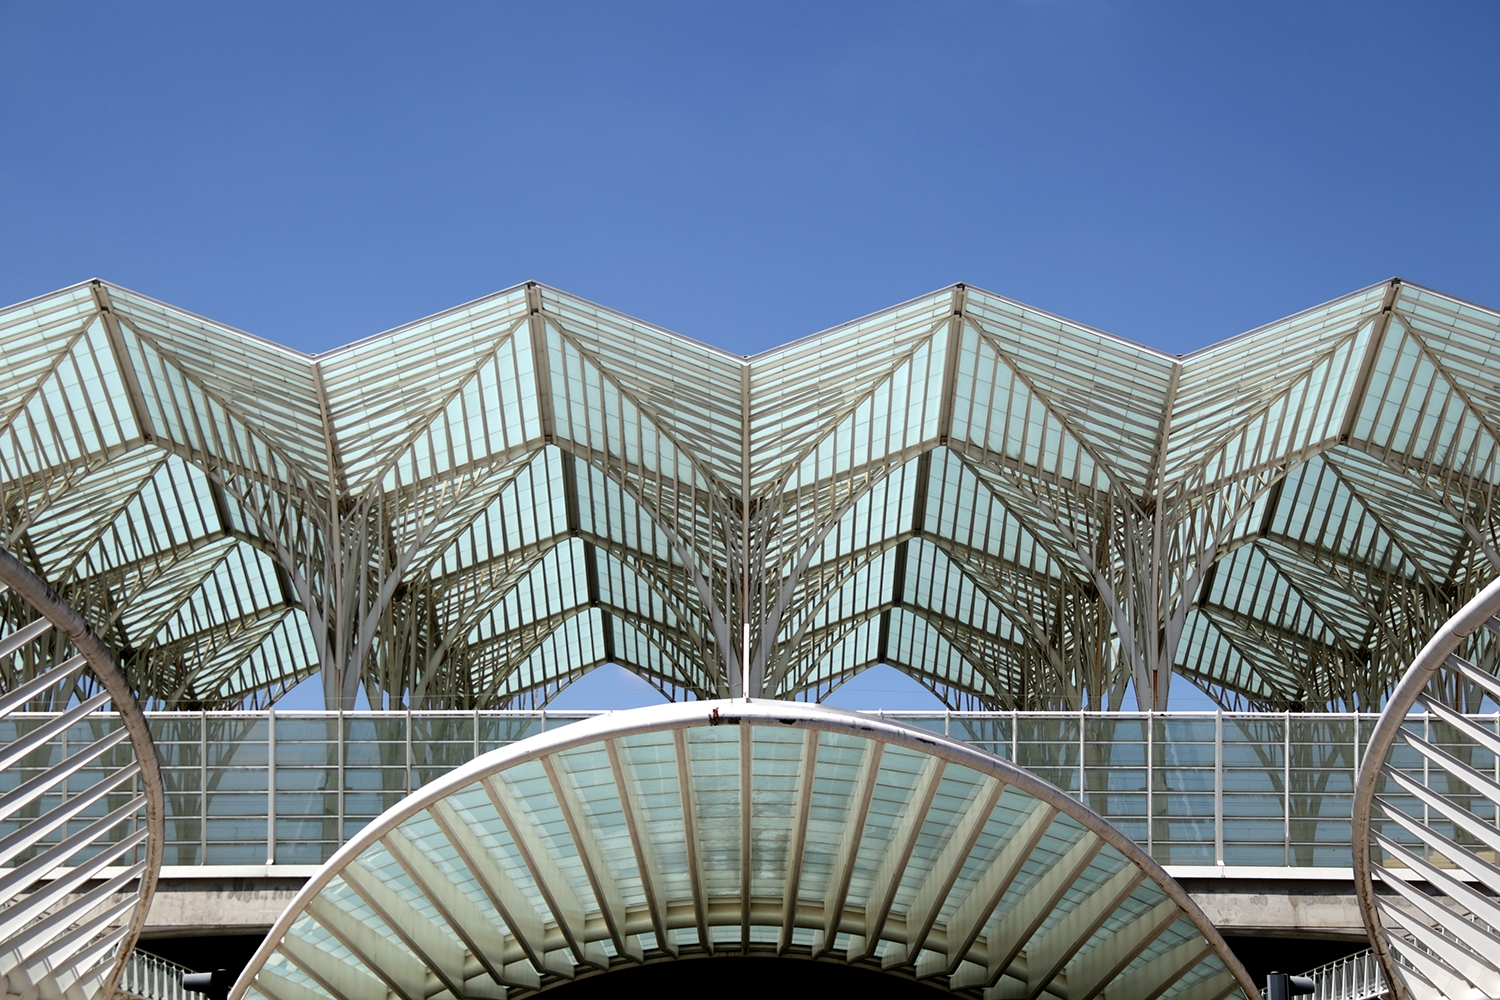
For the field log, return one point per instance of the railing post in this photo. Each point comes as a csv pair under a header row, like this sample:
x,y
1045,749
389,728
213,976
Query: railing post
x,y
1151,783
203,787
1082,788
1286,788
408,750
339,723
1219,787
271,786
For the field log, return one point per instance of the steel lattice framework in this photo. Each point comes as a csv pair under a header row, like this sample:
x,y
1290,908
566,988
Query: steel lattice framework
x,y
472,510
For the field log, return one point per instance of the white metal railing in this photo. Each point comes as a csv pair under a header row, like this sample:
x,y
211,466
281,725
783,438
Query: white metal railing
x,y
1194,788
151,977
1354,977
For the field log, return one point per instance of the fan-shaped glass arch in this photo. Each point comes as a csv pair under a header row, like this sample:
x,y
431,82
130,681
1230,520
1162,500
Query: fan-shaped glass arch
x,y
741,827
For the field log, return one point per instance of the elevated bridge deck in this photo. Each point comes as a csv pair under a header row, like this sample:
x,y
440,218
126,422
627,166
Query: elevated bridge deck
x,y
1250,811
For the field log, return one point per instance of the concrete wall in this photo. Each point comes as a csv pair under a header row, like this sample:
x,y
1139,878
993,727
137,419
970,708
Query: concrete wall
x,y
1282,907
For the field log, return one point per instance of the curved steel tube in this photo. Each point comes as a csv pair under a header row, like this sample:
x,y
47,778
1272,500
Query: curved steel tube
x,y
1470,618
15,576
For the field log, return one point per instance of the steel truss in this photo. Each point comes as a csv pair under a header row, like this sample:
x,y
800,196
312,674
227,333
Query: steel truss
x,y
1021,512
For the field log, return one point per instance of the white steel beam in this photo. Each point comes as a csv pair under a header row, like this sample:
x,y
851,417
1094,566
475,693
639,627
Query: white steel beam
x,y
1046,956
1151,979
807,772
1009,936
567,910
645,858
688,797
601,881
442,954
838,882
746,797
933,894
1215,987
1094,970
404,973
903,841
526,926
471,925
278,987
341,980
964,927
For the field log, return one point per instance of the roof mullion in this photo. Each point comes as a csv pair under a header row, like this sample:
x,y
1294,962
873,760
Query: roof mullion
x,y
402,973
1103,964
1007,937
1046,958
467,922
687,796
339,979
843,862
595,868
903,841
932,894
440,953
807,768
652,884
967,922
567,910
525,924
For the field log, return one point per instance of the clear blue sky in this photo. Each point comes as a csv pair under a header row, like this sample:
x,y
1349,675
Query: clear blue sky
x,y
1174,173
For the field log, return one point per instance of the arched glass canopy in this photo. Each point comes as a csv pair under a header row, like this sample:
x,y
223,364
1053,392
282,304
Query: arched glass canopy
x,y
741,828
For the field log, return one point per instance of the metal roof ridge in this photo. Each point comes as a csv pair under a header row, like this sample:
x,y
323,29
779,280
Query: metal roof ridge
x,y
1285,319
1451,298
315,357
255,338
1115,337
395,330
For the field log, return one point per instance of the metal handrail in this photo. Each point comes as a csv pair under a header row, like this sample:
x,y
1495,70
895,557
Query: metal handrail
x,y
151,977
299,806
1353,977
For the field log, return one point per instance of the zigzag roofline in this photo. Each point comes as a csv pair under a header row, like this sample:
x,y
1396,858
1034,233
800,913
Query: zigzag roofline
x,y
977,492
313,357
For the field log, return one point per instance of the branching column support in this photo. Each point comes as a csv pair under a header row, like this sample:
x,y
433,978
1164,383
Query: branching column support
x,y
752,674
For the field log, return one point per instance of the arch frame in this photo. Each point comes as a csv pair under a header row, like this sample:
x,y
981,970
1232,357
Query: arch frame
x,y
1439,651
16,577
677,717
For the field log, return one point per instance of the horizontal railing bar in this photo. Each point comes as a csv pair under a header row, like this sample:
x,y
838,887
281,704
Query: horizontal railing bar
x,y
1172,780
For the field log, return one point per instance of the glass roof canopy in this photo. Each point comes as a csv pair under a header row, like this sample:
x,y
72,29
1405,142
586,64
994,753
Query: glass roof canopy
x,y
741,827
1021,512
